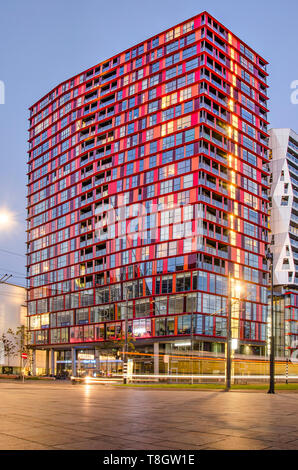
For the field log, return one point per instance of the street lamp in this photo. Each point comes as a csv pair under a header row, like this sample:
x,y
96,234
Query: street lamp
x,y
232,344
125,346
192,325
229,338
269,256
6,219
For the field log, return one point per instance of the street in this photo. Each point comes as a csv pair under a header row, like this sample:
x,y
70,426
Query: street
x,y
40,415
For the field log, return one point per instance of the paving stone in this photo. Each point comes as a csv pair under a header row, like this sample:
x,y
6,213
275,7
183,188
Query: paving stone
x,y
61,416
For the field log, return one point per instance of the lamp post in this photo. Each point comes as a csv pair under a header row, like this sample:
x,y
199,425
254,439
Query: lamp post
x,y
230,342
229,338
192,346
269,256
125,348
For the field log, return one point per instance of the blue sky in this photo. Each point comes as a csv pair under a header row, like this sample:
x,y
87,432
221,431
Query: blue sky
x,y
43,43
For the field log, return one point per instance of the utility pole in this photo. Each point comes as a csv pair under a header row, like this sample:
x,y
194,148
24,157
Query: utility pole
x,y
4,278
272,338
125,344
192,346
229,337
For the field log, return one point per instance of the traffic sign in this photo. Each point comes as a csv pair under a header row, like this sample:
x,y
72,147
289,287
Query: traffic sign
x,y
24,356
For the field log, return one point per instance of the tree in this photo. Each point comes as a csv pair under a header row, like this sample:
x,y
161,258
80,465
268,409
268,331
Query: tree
x,y
106,348
120,344
116,347
9,345
21,336
22,339
15,343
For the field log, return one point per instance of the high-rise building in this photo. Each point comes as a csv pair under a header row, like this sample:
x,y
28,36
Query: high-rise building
x,y
284,236
147,187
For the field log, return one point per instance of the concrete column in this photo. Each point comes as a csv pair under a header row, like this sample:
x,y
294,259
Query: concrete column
x,y
34,362
79,365
156,358
73,362
53,368
47,361
97,360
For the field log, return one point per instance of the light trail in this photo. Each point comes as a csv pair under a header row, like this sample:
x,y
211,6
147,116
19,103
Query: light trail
x,y
119,377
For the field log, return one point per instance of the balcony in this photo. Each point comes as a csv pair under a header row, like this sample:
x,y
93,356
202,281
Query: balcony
x,y
91,96
84,215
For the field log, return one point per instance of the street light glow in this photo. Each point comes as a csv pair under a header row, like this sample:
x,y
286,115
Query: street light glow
x,y
238,289
6,219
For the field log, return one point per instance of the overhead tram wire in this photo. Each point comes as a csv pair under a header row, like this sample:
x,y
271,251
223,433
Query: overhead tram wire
x,y
13,272
12,253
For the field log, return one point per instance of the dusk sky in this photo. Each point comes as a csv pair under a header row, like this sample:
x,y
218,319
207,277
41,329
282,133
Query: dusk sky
x,y
43,43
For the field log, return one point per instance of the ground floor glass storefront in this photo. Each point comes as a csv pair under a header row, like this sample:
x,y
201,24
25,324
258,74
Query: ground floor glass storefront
x,y
175,357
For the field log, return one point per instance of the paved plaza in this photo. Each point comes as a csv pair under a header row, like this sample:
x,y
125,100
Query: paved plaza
x,y
59,415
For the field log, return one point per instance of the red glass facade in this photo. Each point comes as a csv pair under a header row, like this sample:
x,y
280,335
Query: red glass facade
x,y
286,326
147,186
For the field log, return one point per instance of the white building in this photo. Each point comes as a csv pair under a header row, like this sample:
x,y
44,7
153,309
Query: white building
x,y
284,210
13,313
284,237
